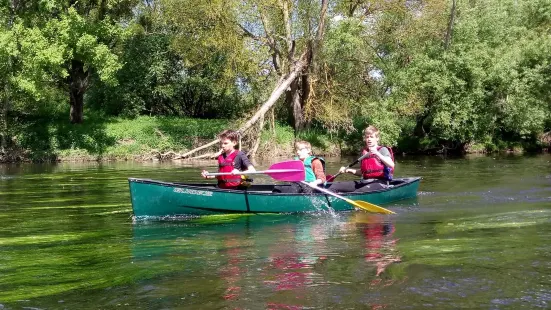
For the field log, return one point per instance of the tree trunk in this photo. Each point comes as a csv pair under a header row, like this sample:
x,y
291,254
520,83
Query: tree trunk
x,y
449,31
4,121
254,149
294,103
78,84
77,107
298,93
419,130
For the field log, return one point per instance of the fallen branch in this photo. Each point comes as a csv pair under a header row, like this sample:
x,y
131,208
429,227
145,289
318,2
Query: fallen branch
x,y
207,155
282,85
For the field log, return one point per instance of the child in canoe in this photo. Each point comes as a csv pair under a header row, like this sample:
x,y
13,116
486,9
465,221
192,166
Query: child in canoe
x,y
231,160
375,170
314,167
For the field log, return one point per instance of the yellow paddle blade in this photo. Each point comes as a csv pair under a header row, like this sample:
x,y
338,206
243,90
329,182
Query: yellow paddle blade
x,y
358,203
369,206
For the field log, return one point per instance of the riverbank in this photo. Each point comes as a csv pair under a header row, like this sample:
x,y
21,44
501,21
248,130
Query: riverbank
x,y
166,138
141,139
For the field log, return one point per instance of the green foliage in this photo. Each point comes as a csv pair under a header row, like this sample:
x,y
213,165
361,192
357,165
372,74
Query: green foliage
x,y
87,41
154,79
102,137
488,82
281,135
381,63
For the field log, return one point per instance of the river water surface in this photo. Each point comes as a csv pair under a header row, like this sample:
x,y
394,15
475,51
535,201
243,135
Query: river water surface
x,y
477,236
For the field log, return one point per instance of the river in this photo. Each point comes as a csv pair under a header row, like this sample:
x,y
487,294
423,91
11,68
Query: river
x,y
477,236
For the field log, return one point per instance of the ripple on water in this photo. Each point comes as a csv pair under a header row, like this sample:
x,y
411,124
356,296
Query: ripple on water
x,y
539,299
421,193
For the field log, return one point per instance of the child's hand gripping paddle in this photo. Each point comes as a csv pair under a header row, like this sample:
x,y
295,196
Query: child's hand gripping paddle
x,y
330,178
288,171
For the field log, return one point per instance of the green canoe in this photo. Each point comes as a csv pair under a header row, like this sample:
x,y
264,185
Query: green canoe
x,y
152,198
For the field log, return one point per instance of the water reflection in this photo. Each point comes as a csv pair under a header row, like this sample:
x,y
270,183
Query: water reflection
x,y
380,245
285,261
232,271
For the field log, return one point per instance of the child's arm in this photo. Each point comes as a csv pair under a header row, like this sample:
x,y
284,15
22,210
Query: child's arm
x,y
357,172
317,167
245,164
385,158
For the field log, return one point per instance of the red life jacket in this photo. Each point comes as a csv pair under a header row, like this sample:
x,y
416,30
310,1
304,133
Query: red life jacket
x,y
373,167
226,165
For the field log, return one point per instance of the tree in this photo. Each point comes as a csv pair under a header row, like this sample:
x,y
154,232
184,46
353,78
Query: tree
x,y
88,31
28,61
258,40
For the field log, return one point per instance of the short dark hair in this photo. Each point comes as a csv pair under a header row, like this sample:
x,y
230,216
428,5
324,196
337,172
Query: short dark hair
x,y
229,134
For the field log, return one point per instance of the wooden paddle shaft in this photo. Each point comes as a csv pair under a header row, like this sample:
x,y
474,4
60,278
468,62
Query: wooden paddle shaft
x,y
324,190
352,164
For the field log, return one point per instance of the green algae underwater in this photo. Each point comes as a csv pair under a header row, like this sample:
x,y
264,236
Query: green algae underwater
x,y
477,236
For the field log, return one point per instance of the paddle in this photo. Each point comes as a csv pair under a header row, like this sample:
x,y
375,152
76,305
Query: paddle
x,y
289,171
356,203
330,178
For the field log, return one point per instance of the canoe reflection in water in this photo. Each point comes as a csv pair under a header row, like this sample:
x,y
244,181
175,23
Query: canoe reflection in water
x,y
290,267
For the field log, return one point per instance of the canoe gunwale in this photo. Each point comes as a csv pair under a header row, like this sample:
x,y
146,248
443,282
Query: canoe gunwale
x,y
212,187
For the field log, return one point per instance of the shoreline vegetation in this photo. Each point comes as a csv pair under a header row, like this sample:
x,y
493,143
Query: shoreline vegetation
x,y
136,81
167,138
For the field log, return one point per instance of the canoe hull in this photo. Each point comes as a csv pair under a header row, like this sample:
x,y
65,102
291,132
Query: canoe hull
x,y
152,198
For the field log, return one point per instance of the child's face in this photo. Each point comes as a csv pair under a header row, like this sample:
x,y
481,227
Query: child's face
x,y
372,140
227,145
303,151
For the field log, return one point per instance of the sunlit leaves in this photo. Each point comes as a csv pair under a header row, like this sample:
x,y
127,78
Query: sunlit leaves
x,y
487,82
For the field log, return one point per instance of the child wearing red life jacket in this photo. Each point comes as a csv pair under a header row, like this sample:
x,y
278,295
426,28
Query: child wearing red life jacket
x,y
231,160
376,169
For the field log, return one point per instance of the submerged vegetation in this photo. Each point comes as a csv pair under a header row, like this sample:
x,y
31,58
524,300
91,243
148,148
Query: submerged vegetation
x,y
126,79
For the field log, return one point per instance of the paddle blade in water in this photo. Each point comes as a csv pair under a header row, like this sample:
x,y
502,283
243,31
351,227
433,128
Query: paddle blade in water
x,y
364,205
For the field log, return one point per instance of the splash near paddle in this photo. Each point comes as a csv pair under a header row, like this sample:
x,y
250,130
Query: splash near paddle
x,y
364,205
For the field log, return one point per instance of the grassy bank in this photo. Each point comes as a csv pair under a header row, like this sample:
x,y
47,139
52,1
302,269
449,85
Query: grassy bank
x,y
143,138
150,138
111,138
